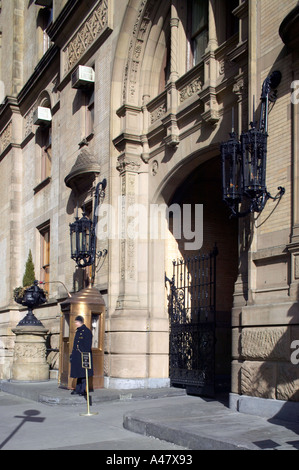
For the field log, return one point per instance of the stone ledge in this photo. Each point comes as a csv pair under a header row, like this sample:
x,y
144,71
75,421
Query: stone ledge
x,y
265,407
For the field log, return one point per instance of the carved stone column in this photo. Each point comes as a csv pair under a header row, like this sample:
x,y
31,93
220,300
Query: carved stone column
x,y
128,297
174,23
208,96
170,121
128,324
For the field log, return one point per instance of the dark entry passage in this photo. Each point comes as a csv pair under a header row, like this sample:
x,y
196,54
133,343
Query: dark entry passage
x,y
192,304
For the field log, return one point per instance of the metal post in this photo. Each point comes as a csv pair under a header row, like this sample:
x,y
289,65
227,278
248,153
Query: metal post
x,y
87,395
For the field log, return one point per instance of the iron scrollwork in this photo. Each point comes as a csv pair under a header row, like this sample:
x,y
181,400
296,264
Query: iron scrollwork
x,y
192,322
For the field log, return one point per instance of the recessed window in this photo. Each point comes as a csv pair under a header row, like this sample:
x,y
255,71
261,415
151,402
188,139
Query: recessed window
x,y
44,19
198,26
232,23
165,70
46,152
89,112
44,233
44,141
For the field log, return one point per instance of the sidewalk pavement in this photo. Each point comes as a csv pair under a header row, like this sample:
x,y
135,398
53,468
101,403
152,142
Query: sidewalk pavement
x,y
191,422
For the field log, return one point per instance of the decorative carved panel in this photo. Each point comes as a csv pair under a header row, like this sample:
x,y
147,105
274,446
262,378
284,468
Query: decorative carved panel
x,y
87,34
5,137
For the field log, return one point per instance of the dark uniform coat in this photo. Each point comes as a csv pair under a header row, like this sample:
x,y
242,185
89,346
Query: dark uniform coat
x,y
82,343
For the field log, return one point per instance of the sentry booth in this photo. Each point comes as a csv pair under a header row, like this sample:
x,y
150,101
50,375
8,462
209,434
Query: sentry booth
x,y
90,304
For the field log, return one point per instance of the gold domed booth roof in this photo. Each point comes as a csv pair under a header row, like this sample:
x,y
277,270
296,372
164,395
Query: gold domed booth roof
x,y
83,171
90,304
90,296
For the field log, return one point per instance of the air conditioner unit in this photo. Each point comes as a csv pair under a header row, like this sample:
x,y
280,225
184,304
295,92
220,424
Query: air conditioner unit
x,y
42,116
82,77
44,3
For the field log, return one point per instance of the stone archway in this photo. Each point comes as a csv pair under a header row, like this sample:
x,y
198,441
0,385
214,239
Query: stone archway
x,y
158,141
136,72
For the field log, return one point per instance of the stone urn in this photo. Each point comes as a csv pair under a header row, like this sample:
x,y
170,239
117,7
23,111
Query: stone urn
x,y
29,361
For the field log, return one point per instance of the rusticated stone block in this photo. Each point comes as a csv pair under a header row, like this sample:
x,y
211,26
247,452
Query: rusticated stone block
x,y
288,382
258,379
266,343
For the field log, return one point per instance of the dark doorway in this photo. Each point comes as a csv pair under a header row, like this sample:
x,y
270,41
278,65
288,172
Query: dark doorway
x,y
204,187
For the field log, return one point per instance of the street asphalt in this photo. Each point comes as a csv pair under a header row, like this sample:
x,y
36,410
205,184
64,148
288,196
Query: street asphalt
x,y
41,416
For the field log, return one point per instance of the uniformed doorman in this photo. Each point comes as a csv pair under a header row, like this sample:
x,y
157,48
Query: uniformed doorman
x,y
82,343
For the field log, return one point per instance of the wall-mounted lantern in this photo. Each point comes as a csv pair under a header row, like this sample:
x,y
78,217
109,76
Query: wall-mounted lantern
x,y
83,233
244,159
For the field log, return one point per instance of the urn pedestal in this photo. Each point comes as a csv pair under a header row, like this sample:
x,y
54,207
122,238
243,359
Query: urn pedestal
x,y
29,361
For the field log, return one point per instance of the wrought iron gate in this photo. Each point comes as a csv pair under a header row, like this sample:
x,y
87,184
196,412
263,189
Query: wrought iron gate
x,y
192,323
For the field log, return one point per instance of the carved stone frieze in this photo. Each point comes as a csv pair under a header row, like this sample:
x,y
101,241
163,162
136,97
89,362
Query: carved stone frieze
x,y
28,122
30,351
5,137
239,86
136,48
125,163
190,89
88,33
157,113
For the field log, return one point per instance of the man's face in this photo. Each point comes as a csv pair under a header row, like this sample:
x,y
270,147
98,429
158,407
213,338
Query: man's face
x,y
78,323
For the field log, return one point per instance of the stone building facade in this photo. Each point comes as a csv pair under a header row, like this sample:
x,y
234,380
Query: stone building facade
x,y
166,76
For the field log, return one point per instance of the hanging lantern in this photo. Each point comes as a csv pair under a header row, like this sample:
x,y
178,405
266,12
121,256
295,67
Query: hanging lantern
x,y
82,241
254,155
231,171
244,161
82,233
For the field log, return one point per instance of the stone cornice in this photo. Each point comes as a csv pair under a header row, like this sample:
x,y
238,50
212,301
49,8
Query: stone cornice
x,y
7,109
41,69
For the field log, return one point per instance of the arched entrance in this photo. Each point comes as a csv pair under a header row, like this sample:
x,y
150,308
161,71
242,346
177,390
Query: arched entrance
x,y
197,277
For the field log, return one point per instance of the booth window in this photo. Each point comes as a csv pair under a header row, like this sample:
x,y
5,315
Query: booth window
x,y
95,324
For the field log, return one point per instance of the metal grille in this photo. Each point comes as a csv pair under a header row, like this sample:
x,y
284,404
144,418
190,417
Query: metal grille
x,y
192,323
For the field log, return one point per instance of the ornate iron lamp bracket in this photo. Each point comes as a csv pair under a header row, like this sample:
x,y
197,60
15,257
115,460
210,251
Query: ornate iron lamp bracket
x,y
244,160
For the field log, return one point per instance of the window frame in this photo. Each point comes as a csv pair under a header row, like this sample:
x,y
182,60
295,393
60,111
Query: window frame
x,y
45,251
46,153
192,61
